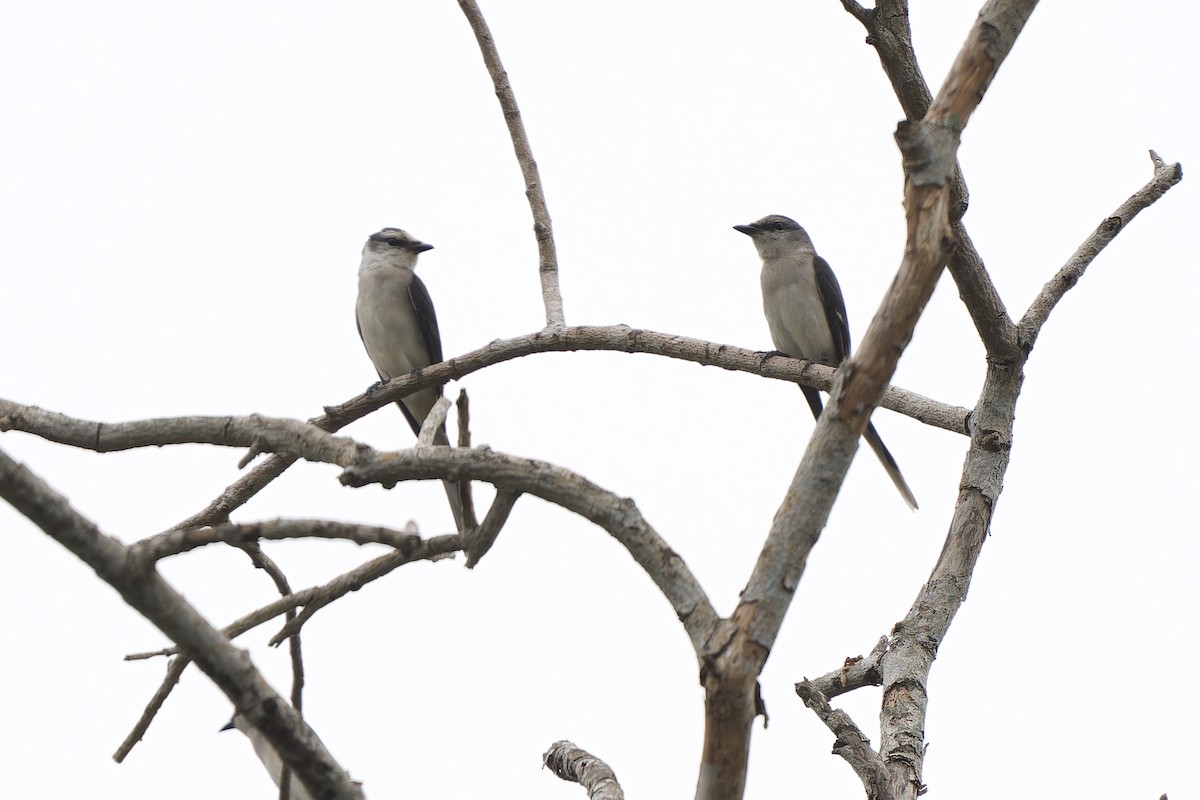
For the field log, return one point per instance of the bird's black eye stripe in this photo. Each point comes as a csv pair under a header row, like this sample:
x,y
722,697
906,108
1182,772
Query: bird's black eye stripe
x,y
393,241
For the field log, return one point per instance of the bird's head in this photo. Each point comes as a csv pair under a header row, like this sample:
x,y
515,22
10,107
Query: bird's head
x,y
775,235
393,246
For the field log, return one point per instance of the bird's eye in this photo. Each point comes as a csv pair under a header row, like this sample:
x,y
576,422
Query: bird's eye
x,y
778,226
393,241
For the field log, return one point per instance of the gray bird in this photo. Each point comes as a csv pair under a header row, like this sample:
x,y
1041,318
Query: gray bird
x,y
399,328
268,756
806,314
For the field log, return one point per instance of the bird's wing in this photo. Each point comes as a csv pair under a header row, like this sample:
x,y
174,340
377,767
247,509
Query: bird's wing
x,y
835,307
426,318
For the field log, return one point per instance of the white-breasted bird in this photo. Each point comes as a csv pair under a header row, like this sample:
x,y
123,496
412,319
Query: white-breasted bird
x,y
399,327
806,313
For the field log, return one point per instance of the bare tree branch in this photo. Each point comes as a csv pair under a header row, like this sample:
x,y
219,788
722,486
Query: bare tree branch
x,y
542,229
478,541
855,673
1165,176
849,743
466,498
141,586
173,543
889,32
174,672
433,549
570,763
734,660
619,516
916,638
262,561
109,437
434,421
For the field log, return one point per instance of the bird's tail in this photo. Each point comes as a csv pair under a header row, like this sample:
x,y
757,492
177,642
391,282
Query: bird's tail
x,y
889,464
453,493
872,436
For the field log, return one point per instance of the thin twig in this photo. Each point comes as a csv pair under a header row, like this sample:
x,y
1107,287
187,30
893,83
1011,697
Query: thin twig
x,y
175,670
542,229
1165,176
481,539
434,549
262,561
466,498
855,673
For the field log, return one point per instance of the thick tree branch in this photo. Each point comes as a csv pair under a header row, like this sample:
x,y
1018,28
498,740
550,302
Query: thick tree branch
x,y
141,586
889,32
547,256
1165,176
570,763
929,147
916,638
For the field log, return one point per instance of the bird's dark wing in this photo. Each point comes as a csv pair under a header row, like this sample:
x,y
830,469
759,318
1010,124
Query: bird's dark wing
x,y
835,308
427,319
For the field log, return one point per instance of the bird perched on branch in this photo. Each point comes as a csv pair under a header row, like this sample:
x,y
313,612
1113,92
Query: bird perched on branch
x,y
806,314
399,328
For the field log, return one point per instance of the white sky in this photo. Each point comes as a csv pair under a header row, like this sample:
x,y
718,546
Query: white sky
x,y
184,192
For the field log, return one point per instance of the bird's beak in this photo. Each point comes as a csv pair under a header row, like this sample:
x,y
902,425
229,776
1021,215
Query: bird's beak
x,y
420,247
749,230
228,726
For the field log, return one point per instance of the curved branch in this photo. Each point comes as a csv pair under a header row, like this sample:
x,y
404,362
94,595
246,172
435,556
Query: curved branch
x,y
107,437
619,516
547,257
570,763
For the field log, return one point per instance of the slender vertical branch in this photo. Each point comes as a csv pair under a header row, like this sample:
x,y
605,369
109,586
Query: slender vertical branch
x,y
547,256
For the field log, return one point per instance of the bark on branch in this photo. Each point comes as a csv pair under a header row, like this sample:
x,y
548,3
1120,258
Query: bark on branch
x,y
542,230
141,586
570,763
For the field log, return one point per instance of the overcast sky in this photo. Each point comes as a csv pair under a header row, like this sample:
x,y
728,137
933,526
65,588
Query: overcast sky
x,y
185,189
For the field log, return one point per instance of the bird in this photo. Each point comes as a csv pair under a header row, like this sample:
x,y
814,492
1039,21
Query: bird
x,y
268,756
399,328
806,313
